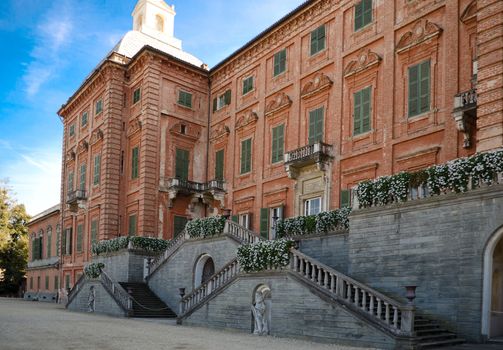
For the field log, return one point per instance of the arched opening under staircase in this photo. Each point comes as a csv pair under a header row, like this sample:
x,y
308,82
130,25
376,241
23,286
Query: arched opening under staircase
x,y
203,270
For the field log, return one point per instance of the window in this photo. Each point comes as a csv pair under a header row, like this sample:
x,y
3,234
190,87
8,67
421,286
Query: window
x,y
67,281
275,215
219,165
246,156
49,242
136,95
38,282
280,62
83,119
97,169
98,107
222,101
70,182
80,237
247,85
182,164
419,88
66,243
72,130
312,206
185,99
31,282
134,162
82,182
345,198
363,14
318,40
56,283
183,129
361,111
94,231
278,136
179,223
46,282
244,220
264,223
132,225
316,125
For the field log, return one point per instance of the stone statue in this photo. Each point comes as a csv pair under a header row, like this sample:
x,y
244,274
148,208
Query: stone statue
x,y
259,310
90,300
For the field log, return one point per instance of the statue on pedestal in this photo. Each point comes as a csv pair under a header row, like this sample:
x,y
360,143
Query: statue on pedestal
x,y
90,299
259,310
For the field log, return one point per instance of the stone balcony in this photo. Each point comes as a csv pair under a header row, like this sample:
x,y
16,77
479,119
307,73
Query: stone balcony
x,y
75,199
318,153
465,114
43,263
176,187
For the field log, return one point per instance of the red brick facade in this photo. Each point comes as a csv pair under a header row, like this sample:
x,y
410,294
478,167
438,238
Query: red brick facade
x,y
455,37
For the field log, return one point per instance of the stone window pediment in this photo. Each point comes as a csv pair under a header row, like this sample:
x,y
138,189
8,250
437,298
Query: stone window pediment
x,y
96,136
470,13
280,102
365,60
422,31
134,126
318,83
248,118
83,146
220,131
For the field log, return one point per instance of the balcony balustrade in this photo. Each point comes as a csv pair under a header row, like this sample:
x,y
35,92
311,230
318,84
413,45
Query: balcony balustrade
x,y
74,196
318,153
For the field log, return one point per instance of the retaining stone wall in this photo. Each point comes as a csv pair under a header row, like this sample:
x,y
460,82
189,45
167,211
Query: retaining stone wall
x,y
104,303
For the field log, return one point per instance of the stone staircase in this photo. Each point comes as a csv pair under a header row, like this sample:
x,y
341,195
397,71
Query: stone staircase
x,y
429,334
145,303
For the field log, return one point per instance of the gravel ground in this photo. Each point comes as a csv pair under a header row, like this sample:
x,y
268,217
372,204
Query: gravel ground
x,y
36,325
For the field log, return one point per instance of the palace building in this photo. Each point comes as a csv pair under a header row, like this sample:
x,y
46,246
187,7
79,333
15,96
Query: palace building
x,y
334,93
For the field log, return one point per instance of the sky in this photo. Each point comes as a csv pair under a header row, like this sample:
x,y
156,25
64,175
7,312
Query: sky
x,y
48,47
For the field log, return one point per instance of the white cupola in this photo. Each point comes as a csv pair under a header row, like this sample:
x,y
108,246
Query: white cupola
x,y
156,19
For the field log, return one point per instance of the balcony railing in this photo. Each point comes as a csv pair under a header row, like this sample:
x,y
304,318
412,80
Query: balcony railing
x,y
75,196
465,100
195,187
308,154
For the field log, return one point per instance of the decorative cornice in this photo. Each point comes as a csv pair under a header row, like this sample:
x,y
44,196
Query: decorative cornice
x,y
470,12
423,30
219,131
280,102
319,83
365,60
96,136
246,119
134,126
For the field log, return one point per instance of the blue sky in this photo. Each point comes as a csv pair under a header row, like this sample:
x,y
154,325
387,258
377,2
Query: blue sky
x,y
48,47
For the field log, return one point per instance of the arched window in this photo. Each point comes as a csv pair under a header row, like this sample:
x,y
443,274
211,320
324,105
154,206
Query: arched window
x,y
159,23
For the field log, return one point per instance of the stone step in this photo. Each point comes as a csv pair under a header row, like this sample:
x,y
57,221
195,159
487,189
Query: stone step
x,y
146,304
444,335
441,343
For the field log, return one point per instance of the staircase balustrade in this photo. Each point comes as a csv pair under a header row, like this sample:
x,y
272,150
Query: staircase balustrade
x,y
242,233
118,293
172,246
396,317
76,288
205,290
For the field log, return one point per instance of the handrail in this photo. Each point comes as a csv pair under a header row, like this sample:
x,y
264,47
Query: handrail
x,y
172,246
219,279
240,232
118,293
307,151
76,288
395,316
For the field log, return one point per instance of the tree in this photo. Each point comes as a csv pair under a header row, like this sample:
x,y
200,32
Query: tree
x,y
13,242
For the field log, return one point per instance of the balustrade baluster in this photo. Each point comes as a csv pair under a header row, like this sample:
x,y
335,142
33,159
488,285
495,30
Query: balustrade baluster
x,y
325,282
395,317
379,308
364,300
302,267
332,284
371,307
357,296
320,281
313,272
386,316
348,291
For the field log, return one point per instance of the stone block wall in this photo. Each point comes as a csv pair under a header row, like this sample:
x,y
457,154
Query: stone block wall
x,y
296,312
104,303
436,244
125,265
178,271
331,250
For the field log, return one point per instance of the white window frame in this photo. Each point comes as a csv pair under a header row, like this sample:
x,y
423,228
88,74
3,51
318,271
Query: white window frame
x,y
274,212
244,220
309,209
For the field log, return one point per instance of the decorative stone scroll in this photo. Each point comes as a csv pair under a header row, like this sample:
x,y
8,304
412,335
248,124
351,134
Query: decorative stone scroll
x,y
134,126
219,131
71,155
365,60
470,12
249,118
96,136
423,30
280,102
83,146
319,83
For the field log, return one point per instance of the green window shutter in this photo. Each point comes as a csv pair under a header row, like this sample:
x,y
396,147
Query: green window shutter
x,y
366,105
247,85
70,241
179,223
215,105
367,12
413,90
278,136
72,130
97,169
80,236
361,111
67,281
33,249
185,99
132,225
227,97
235,218
70,182
264,222
357,117
31,282
316,125
63,242
318,40
359,15
182,164
82,184
56,283
94,231
279,62
246,156
46,282
41,248
424,87
49,243
134,162
219,165
136,95
83,121
99,106
345,198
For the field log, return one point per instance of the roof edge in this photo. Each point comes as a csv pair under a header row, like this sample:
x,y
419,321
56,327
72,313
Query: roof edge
x,y
44,214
